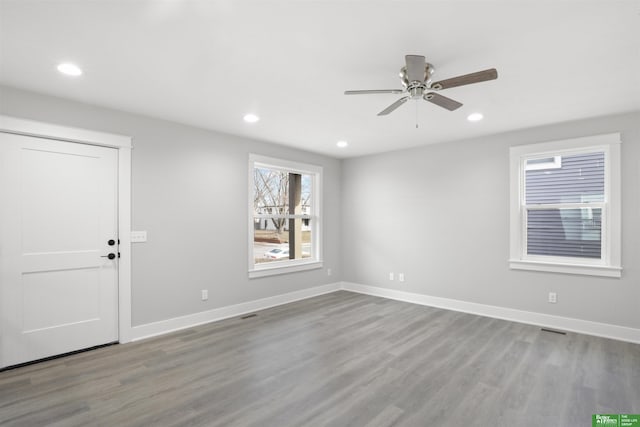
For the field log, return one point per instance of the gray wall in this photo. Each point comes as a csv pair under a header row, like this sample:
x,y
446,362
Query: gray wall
x,y
190,194
440,215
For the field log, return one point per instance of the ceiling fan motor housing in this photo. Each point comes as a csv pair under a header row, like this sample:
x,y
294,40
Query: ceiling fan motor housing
x,y
417,88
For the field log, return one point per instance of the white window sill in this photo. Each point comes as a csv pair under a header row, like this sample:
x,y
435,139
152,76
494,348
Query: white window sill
x,y
273,270
588,270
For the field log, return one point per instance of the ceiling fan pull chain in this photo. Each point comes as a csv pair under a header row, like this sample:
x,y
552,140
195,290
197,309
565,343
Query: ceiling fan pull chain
x,y
416,115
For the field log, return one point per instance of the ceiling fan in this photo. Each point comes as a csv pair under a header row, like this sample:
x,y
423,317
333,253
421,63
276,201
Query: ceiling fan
x,y
416,79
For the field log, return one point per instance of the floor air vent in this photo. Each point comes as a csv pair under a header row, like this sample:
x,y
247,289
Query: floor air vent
x,y
247,316
553,331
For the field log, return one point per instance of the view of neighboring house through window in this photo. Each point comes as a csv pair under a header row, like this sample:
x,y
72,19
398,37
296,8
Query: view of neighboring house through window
x,y
565,207
284,217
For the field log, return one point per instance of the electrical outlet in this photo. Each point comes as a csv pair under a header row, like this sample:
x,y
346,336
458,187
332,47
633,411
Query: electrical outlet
x,y
205,295
553,298
401,277
329,272
390,276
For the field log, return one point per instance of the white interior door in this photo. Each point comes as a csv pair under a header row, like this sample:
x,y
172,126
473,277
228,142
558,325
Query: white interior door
x,y
58,211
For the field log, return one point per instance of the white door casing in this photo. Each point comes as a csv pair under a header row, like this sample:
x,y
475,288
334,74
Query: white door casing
x,y
59,209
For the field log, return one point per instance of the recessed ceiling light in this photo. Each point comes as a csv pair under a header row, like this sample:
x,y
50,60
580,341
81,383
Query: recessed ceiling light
x,y
342,144
69,69
475,117
251,118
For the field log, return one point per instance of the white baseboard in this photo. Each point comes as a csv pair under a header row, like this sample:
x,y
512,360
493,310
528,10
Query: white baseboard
x,y
177,323
587,327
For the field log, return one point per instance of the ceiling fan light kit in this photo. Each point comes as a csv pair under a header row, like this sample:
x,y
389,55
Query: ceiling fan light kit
x,y
415,76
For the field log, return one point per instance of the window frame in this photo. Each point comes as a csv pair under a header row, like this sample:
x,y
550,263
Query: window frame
x,y
609,264
315,216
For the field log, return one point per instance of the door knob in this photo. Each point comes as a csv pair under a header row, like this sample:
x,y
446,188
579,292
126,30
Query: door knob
x,y
111,242
110,256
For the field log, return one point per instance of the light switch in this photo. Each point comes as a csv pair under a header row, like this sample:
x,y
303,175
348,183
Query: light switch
x,y
138,236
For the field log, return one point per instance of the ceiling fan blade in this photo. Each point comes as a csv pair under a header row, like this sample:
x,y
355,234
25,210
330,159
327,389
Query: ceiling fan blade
x,y
393,106
442,101
373,91
415,67
467,79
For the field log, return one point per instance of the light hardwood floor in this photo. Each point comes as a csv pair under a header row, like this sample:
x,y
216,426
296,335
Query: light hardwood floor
x,y
340,359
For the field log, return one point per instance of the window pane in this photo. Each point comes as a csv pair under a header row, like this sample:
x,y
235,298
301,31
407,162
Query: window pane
x,y
553,162
580,179
307,186
271,191
271,244
564,232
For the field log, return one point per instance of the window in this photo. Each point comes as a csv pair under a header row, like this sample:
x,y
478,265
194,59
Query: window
x,y
284,216
565,206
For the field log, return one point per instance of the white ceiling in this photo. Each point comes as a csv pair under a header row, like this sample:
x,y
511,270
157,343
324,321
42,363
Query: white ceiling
x,y
207,63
